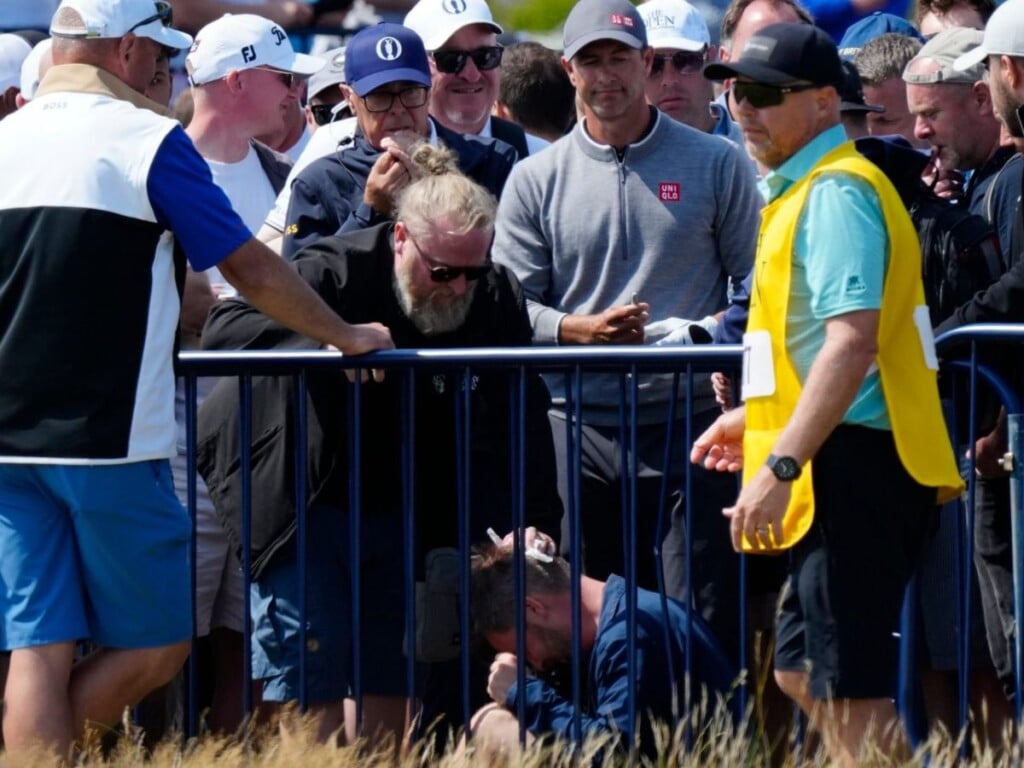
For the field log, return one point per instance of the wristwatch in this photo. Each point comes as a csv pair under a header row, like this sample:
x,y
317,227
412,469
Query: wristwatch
x,y
785,468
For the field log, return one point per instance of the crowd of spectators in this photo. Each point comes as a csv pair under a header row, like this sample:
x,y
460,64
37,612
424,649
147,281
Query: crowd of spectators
x,y
430,183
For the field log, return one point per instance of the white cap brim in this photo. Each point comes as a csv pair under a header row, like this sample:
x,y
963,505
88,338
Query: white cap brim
x,y
971,59
172,38
301,64
676,42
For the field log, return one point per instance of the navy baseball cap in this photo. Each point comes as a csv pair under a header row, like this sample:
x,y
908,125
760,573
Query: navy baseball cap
x,y
385,53
863,31
593,20
784,54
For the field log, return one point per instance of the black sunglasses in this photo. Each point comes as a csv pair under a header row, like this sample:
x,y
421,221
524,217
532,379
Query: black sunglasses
x,y
324,114
163,12
451,62
445,273
761,95
683,62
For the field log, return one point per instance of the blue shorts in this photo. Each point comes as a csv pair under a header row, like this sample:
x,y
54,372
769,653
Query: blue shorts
x,y
329,636
93,552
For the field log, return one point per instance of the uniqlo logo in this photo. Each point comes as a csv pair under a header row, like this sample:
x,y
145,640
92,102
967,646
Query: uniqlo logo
x,y
622,21
669,192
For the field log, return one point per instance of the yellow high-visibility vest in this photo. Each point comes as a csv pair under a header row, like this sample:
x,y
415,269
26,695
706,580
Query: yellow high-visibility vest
x,y
909,385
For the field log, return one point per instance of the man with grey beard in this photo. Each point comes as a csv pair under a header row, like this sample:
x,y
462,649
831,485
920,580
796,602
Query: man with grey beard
x,y
429,278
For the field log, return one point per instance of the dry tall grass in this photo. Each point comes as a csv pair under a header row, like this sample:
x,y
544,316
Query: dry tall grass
x,y
717,743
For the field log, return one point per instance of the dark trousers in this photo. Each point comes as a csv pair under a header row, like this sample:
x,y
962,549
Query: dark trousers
x,y
604,465
994,564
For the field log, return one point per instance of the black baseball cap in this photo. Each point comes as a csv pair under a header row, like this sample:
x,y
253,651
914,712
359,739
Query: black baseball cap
x,y
851,92
785,54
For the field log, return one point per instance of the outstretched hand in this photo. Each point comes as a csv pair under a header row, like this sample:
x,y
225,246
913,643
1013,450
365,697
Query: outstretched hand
x,y
720,447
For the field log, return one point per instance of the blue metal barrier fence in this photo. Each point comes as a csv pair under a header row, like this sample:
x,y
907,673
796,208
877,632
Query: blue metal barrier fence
x,y
630,366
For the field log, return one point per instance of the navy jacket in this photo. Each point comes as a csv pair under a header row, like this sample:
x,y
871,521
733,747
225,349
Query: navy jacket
x,y
660,671
327,197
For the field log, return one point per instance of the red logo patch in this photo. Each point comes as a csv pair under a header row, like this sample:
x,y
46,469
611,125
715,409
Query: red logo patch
x,y
669,191
620,20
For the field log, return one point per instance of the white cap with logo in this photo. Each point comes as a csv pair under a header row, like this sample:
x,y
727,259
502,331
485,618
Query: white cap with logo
x,y
1004,35
241,41
437,20
116,18
674,24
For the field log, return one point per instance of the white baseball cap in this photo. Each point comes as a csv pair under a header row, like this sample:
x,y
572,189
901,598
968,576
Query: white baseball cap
x,y
116,18
674,24
13,51
437,20
1004,35
244,41
30,68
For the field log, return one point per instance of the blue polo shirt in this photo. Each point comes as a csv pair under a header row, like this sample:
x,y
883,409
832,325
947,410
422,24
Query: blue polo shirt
x,y
841,250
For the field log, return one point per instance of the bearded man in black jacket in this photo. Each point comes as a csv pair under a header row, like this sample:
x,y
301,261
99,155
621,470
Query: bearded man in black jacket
x,y
428,277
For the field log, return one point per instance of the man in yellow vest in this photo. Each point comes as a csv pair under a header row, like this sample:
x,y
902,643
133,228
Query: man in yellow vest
x,y
839,373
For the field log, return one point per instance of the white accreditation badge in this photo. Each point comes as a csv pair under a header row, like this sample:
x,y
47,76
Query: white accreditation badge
x,y
758,369
923,322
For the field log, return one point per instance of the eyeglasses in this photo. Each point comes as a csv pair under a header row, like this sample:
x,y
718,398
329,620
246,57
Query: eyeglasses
x,y
683,62
445,273
163,13
451,62
761,95
290,79
382,101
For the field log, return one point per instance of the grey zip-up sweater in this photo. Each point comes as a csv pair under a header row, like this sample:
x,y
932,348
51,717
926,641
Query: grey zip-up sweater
x,y
672,221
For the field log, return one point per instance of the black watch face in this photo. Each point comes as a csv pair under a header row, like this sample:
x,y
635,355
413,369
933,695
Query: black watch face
x,y
786,468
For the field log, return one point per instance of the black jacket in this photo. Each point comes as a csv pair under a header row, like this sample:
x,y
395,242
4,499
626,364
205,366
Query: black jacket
x,y
328,195
353,274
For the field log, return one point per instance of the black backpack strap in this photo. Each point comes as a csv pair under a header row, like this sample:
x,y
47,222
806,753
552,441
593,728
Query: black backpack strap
x,y
275,165
511,134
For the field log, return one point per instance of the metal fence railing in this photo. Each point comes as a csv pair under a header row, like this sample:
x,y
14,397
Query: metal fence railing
x,y
515,367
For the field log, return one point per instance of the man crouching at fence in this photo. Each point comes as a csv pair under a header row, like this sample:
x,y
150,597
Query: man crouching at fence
x,y
428,278
660,640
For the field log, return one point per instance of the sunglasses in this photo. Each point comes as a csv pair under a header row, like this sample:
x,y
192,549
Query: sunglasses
x,y
382,101
290,79
761,95
324,114
445,273
683,62
451,62
163,13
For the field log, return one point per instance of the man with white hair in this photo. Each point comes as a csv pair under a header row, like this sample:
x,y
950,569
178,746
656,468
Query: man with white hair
x,y
93,543
461,37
